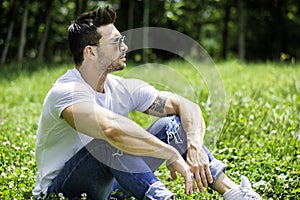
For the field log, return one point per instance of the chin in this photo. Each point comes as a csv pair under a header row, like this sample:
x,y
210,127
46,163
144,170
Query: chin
x,y
121,68
117,68
123,65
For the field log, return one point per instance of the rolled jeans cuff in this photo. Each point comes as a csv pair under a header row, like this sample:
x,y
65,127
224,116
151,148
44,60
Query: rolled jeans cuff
x,y
158,191
216,168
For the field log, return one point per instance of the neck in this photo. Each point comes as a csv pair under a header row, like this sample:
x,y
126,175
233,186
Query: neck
x,y
93,77
100,84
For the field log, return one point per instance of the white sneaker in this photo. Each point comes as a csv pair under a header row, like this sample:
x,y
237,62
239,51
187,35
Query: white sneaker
x,y
243,192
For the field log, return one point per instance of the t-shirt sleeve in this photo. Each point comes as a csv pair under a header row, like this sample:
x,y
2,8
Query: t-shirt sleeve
x,y
64,95
142,94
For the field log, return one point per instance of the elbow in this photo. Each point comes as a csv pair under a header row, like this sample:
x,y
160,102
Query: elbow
x,y
111,130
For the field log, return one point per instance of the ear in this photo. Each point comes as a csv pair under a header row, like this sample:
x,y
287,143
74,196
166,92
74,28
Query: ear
x,y
89,51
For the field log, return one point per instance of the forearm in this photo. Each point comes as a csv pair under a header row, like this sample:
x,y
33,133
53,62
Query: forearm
x,y
193,124
131,138
192,120
119,131
189,112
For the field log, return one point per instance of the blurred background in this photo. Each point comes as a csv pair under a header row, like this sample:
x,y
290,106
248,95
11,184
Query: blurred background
x,y
248,30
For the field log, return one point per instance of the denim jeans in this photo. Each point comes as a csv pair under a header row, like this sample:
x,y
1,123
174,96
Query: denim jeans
x,y
103,172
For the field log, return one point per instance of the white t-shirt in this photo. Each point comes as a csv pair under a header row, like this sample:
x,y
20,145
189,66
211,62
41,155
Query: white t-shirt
x,y
57,141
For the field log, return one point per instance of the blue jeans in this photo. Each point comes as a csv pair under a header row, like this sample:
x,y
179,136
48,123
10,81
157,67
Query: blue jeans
x,y
103,172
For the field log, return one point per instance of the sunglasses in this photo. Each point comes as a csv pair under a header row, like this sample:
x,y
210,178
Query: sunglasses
x,y
119,41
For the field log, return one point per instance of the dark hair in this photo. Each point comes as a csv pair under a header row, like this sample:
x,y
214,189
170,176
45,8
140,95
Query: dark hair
x,y
83,31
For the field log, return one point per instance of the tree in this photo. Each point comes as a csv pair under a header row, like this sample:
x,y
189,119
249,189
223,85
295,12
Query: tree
x,y
252,30
80,7
131,4
146,29
23,33
10,31
277,11
241,30
225,29
46,31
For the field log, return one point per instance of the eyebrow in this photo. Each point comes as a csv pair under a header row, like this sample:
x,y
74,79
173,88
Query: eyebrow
x,y
116,37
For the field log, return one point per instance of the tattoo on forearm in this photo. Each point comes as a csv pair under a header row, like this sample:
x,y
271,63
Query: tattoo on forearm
x,y
159,104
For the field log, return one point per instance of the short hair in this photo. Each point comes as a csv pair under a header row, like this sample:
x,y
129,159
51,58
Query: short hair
x,y
83,30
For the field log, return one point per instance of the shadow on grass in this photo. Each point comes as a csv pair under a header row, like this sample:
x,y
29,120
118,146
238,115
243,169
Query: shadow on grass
x,y
11,71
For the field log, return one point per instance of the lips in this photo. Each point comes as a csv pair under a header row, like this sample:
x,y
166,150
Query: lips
x,y
123,58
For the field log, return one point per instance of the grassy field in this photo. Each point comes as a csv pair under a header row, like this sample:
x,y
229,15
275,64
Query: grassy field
x,y
260,137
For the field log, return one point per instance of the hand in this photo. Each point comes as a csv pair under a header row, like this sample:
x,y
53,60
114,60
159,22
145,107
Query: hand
x,y
179,165
197,160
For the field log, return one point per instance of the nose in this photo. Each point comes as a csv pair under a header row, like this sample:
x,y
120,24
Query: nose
x,y
124,47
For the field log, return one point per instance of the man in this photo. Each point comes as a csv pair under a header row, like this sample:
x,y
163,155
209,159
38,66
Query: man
x,y
86,145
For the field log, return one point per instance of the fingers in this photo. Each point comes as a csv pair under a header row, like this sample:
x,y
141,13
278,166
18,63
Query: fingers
x,y
199,165
189,183
181,167
202,175
173,175
172,172
199,181
208,174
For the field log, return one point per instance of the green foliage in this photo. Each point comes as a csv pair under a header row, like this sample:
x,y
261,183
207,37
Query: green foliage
x,y
271,27
21,99
260,137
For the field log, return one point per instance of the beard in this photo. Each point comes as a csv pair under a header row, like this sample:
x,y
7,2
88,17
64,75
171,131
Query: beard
x,y
116,65
112,63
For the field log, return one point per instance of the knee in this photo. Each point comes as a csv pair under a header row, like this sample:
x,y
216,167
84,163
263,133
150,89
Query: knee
x,y
160,126
174,130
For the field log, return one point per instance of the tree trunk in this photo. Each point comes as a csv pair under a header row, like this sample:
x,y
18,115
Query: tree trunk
x,y
130,20
77,8
84,6
145,30
7,41
46,31
1,9
277,11
130,14
11,13
23,33
225,30
80,7
241,30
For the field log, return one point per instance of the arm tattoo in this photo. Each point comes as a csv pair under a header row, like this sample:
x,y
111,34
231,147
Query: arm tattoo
x,y
158,104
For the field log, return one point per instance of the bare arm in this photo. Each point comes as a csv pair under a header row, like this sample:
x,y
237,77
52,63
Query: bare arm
x,y
193,124
124,134
119,131
190,114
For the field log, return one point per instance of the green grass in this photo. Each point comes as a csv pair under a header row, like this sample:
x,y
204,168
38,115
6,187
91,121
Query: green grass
x,y
260,137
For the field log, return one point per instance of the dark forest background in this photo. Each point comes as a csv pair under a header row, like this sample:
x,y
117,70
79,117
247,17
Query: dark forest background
x,y
248,30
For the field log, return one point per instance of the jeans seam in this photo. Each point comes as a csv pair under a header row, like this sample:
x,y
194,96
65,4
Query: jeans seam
x,y
74,168
141,182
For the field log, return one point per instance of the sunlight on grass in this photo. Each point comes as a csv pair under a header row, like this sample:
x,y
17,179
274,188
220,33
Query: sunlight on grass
x,y
260,135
